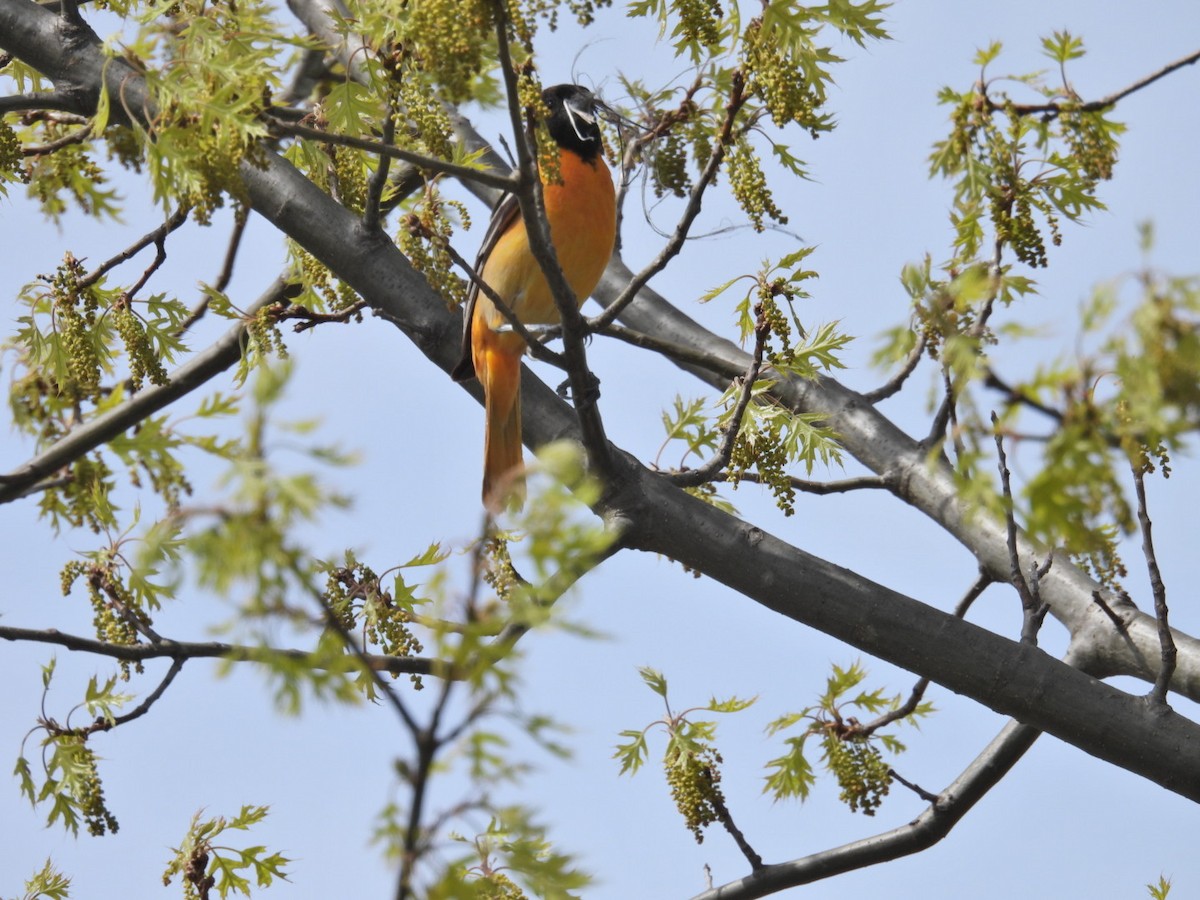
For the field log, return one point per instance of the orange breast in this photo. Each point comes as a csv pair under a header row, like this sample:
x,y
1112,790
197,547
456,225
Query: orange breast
x,y
582,216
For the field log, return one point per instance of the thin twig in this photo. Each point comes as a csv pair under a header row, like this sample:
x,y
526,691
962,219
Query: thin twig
x,y
311,319
1162,681
915,788
1032,608
425,163
670,250
241,216
170,649
680,353
1054,109
334,624
973,593
530,195
841,486
102,724
719,460
75,137
427,745
157,237
1108,611
537,349
993,381
726,819
379,179
893,385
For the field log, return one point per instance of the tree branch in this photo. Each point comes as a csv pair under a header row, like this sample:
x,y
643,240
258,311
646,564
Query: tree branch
x,y
670,250
719,460
223,354
419,160
1159,590
184,650
893,385
157,237
1033,610
1054,109
59,100
841,486
141,709
530,195
958,798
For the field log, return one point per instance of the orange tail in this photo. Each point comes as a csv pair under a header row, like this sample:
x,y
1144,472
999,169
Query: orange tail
x,y
500,375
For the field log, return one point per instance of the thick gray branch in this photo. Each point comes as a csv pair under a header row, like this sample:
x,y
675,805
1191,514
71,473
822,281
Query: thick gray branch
x,y
1100,647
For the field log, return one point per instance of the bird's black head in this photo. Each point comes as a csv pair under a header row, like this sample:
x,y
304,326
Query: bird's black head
x,y
572,121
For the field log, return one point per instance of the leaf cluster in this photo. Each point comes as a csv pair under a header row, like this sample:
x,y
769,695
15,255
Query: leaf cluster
x,y
852,751
690,758
204,865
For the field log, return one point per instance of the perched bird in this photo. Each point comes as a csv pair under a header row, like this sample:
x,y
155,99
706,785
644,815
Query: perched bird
x,y
581,211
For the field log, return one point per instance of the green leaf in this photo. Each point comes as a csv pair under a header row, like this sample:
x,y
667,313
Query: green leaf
x,y
654,680
1062,47
633,752
790,775
987,54
1160,890
48,883
731,705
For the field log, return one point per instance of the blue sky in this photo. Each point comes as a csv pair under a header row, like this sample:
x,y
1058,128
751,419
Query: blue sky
x,y
1061,825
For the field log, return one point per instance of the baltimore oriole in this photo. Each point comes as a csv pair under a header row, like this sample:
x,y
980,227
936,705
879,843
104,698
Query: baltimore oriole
x,y
581,211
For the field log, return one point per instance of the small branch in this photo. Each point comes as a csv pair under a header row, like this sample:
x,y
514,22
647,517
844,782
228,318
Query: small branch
x,y
1032,608
427,745
1054,109
169,649
1013,396
57,100
842,486
670,250
1108,611
240,217
680,353
80,441
915,788
893,385
311,319
142,708
380,178
157,237
726,820
424,163
973,593
900,712
549,591
946,418
529,192
1162,681
393,699
719,460
75,137
537,349
944,812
